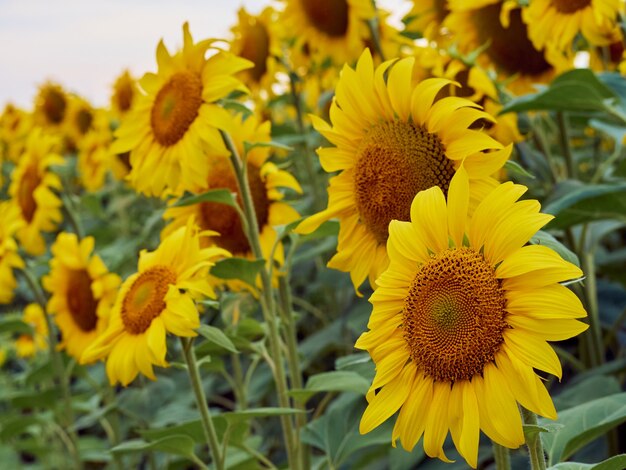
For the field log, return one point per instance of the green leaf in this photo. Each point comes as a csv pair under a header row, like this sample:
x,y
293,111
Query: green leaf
x,y
238,268
334,381
617,462
192,429
247,146
13,325
583,424
588,203
515,168
217,336
177,445
327,229
236,106
531,430
576,90
220,196
546,239
251,413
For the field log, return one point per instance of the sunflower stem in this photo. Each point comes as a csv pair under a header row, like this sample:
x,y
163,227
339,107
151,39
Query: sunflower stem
x,y
565,146
267,300
502,456
67,416
373,24
533,441
591,296
207,421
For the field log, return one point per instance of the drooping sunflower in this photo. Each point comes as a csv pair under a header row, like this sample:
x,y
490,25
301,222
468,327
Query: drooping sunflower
x,y
256,39
83,291
559,21
32,190
9,257
328,28
426,17
498,26
174,120
28,345
156,300
461,318
124,94
390,141
264,178
50,106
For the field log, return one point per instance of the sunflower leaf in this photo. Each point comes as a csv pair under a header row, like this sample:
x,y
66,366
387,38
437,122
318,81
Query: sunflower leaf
x,y
546,239
617,462
15,325
517,169
247,146
176,444
238,268
217,336
221,196
333,381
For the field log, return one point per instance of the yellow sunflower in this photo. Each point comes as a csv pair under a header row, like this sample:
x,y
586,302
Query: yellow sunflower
x,y
82,289
559,21
79,121
124,94
9,257
169,126
32,190
51,106
498,26
257,40
264,178
328,28
28,345
390,141
94,155
15,124
426,17
156,300
461,318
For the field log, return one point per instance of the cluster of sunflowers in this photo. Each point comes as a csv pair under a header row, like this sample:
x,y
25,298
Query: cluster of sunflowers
x,y
209,164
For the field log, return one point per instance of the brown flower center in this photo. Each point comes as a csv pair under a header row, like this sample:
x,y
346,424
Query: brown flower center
x,y
54,105
124,93
328,16
395,161
176,107
510,49
441,10
145,300
80,300
256,48
454,315
570,6
26,192
225,219
84,119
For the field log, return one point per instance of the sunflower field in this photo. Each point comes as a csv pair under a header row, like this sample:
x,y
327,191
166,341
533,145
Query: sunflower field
x,y
330,240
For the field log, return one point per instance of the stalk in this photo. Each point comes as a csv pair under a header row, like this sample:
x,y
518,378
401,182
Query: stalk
x,y
535,448
502,456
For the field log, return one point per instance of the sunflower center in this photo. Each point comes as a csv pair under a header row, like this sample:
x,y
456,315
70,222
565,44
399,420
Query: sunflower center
x,y
54,105
510,49
84,118
124,95
225,219
26,193
454,315
395,161
80,300
176,107
570,6
256,48
328,16
145,299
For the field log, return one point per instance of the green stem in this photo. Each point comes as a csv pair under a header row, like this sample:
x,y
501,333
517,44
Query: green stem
x,y
533,441
268,304
238,380
205,414
565,146
308,156
591,296
67,416
70,211
502,456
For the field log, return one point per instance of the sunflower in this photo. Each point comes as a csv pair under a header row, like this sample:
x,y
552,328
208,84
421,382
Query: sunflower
x,y
32,190
264,179
498,27
328,28
28,345
94,156
256,39
15,124
156,300
79,121
559,21
51,106
460,321
167,129
426,17
82,289
391,140
9,257
124,94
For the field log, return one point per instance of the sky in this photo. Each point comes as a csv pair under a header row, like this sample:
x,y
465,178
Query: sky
x,y
85,44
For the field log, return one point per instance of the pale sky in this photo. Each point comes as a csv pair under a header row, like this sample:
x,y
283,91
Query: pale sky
x,y
85,44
